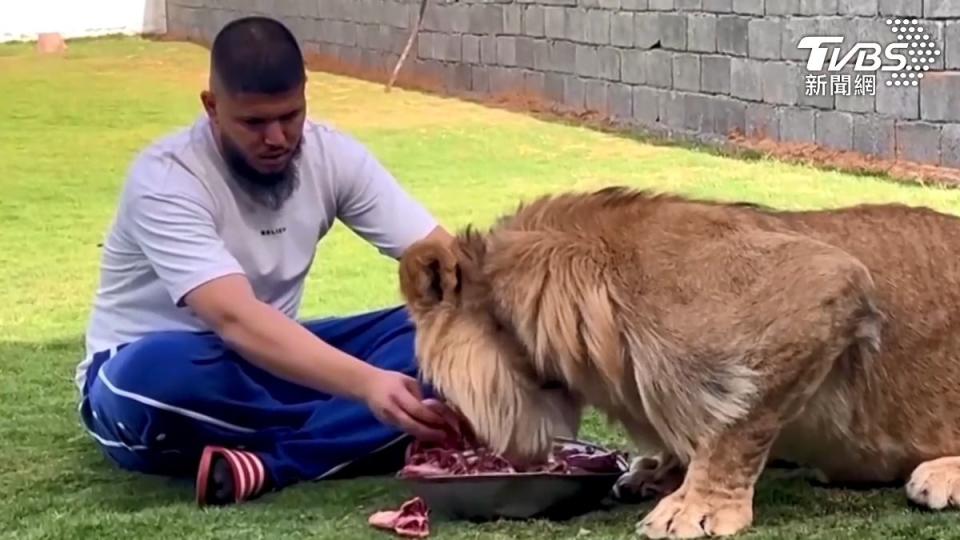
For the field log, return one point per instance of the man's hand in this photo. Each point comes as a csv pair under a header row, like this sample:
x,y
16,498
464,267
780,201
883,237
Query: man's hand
x,y
395,399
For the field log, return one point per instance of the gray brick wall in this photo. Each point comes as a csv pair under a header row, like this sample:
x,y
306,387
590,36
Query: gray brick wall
x,y
697,68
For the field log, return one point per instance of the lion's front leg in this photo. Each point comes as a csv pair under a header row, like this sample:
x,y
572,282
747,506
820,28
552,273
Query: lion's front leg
x,y
716,496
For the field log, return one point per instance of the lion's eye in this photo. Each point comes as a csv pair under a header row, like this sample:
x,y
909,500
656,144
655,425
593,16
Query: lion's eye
x,y
551,385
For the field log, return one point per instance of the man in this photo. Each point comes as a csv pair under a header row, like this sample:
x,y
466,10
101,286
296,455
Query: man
x,y
196,363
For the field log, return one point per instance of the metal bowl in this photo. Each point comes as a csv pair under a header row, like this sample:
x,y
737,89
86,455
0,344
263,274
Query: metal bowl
x,y
491,496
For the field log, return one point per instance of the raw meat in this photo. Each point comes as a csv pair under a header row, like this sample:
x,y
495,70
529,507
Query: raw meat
x,y
411,520
460,454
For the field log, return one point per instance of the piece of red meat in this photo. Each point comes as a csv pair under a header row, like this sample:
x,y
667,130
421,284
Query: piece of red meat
x,y
411,520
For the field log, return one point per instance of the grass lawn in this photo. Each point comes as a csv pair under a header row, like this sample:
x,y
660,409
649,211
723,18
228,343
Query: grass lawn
x,y
70,127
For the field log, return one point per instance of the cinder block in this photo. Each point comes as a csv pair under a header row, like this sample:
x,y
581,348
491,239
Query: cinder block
x,y
541,55
619,101
598,26
610,4
634,5
662,5
658,68
462,76
856,103
951,35
689,5
526,53
746,79
425,45
762,121
686,72
732,35
748,7
715,74
553,21
505,79
512,19
575,25
835,129
783,7
702,33
939,94
621,29
902,8
533,21
633,66
563,56
673,31
937,32
859,7
764,37
794,29
609,60
646,105
697,116
587,62
918,141
718,6
797,125
781,83
646,30
941,8
488,50
486,19
553,87
819,7
595,95
729,115
507,50
673,109
480,79
950,145
459,18
815,95
471,49
898,102
574,92
534,83
874,135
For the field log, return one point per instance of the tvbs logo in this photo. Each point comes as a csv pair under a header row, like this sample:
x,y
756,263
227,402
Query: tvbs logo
x,y
912,51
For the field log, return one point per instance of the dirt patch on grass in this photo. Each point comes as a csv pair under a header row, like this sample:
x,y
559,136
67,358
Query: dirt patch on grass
x,y
851,162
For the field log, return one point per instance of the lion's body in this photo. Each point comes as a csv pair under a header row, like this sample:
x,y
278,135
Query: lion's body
x,y
724,334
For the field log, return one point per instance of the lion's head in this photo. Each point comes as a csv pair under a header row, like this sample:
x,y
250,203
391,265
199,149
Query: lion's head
x,y
474,360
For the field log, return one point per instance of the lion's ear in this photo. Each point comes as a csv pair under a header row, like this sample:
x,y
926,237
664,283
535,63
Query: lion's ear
x,y
429,274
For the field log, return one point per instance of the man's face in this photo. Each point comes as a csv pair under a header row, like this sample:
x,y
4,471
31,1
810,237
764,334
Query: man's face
x,y
260,136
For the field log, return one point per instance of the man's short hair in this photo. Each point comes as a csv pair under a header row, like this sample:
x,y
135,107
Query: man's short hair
x,y
256,55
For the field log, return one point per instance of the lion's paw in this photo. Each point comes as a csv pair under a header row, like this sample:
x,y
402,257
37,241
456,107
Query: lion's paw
x,y
689,515
649,477
936,484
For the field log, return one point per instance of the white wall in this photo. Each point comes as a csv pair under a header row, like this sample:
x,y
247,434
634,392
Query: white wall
x,y
23,20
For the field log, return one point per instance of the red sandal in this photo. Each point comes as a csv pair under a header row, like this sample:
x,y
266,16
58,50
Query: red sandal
x,y
229,476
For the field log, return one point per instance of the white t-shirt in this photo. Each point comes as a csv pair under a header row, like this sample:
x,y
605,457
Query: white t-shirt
x,y
181,222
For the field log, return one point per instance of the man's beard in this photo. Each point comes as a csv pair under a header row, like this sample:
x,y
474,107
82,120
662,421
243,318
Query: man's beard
x,y
269,189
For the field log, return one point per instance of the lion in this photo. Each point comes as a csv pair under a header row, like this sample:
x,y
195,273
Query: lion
x,y
721,336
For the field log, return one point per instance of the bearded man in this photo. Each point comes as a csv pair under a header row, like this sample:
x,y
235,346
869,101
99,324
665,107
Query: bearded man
x,y
196,361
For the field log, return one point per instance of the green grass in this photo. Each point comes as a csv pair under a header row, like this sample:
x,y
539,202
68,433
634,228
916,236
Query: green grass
x,y
70,127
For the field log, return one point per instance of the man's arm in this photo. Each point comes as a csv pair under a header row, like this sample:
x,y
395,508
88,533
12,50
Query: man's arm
x,y
372,203
179,237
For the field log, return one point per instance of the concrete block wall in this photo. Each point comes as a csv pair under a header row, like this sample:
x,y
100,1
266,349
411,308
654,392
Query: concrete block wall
x,y
700,68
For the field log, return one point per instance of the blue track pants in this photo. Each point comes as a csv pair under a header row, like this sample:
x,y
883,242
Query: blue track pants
x,y
153,405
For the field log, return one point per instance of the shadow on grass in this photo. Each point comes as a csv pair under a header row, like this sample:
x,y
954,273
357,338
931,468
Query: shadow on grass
x,y
51,466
